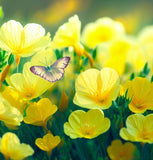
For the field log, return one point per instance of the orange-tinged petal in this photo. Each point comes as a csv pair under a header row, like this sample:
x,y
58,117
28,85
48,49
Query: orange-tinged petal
x,y
141,92
39,113
48,142
126,151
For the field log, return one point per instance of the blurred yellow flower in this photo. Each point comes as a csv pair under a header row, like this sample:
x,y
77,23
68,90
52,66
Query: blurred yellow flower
x,y
97,89
27,84
48,142
135,57
126,151
8,114
11,147
39,113
82,124
110,53
146,35
141,92
69,35
23,41
104,29
145,38
139,128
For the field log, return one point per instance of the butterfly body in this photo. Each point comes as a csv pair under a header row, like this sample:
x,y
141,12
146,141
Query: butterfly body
x,y
51,73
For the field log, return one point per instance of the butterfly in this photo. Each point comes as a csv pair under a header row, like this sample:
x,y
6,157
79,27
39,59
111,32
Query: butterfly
x,y
51,73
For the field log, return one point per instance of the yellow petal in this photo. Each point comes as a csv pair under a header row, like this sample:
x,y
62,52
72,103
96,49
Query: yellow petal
x,y
48,142
10,34
69,33
11,147
37,114
97,89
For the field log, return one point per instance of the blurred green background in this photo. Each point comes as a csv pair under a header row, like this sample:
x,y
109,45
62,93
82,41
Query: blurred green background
x,y
134,14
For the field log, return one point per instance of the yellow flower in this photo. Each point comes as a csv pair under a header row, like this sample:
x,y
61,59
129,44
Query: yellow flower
x,y
27,84
8,114
39,113
136,56
22,41
14,98
11,147
146,35
45,57
110,53
118,151
104,29
97,89
69,33
146,40
48,142
141,92
139,128
82,124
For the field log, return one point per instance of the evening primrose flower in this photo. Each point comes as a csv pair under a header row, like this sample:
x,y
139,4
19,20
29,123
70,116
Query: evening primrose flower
x,y
103,30
23,41
27,84
139,128
39,113
126,151
140,90
11,147
97,89
14,98
136,57
110,53
146,40
82,124
8,114
48,142
69,35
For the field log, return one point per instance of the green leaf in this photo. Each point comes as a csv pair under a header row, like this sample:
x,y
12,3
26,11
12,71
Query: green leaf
x,y
11,59
94,53
59,53
1,12
151,79
132,76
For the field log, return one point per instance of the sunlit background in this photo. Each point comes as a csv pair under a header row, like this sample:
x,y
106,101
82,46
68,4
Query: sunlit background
x,y
134,14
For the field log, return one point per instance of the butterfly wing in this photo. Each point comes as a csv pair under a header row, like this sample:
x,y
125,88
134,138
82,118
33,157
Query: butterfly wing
x,y
54,73
61,63
40,71
57,68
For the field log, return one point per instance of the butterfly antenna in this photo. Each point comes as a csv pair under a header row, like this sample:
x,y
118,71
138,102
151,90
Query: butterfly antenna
x,y
45,64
